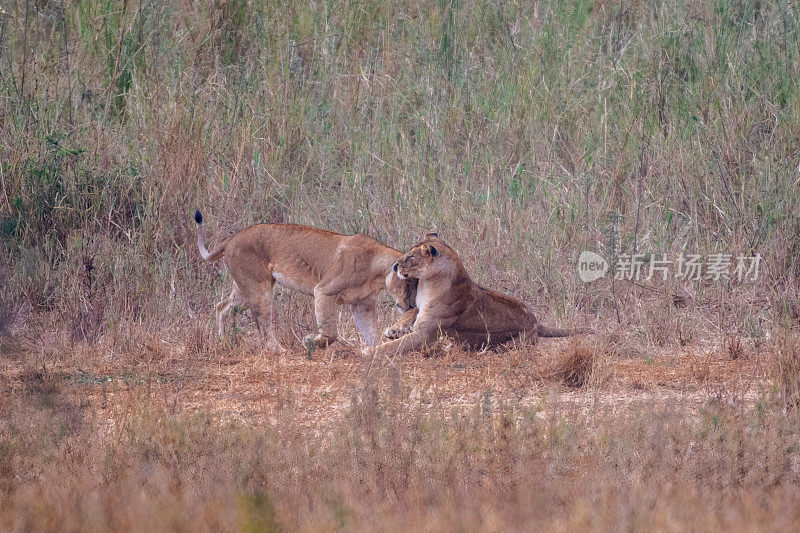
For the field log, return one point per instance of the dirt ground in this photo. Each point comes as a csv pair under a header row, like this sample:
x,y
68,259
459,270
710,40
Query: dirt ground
x,y
238,382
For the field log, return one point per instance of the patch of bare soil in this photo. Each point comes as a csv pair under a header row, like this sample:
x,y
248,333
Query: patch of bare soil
x,y
255,387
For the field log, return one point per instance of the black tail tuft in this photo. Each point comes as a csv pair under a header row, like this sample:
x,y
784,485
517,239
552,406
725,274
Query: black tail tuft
x,y
198,217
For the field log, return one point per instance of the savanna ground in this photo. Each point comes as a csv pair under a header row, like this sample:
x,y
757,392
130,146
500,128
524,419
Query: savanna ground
x,y
524,132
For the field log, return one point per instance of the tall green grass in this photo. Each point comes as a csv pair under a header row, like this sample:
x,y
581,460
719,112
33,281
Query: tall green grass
x,y
523,132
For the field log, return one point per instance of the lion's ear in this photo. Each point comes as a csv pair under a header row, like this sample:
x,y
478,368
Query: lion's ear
x,y
431,235
433,251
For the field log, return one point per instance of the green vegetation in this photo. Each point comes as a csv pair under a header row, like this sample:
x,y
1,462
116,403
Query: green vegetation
x,y
523,132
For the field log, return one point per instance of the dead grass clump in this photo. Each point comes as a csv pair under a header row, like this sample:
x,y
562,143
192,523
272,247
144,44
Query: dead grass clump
x,y
575,365
735,348
787,369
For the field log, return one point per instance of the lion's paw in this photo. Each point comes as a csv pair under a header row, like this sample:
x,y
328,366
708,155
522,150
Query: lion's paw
x,y
314,341
396,332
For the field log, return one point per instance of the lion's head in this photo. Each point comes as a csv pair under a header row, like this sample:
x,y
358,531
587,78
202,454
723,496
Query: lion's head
x,y
403,290
429,258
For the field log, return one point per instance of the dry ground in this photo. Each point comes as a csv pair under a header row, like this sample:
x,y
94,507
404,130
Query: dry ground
x,y
244,383
566,435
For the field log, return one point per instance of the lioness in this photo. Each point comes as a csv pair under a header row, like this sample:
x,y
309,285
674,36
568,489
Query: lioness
x,y
335,269
448,301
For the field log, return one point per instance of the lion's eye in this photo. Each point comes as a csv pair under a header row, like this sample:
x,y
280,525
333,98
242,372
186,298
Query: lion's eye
x,y
395,267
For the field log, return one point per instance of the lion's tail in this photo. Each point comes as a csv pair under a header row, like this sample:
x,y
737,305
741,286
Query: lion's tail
x,y
544,331
217,252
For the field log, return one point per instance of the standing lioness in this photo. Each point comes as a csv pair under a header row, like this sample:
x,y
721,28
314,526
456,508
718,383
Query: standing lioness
x,y
449,302
335,269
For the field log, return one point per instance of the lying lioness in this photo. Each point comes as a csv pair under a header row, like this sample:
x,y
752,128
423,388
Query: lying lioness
x,y
335,269
449,302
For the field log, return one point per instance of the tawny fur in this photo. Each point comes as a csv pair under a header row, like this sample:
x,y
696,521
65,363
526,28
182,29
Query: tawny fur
x,y
333,268
449,302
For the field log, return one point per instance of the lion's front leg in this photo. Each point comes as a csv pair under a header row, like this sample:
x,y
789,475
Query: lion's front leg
x,y
325,314
407,343
366,321
403,326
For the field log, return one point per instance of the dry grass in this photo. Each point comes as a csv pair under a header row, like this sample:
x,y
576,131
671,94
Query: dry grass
x,y
787,369
522,132
475,441
575,366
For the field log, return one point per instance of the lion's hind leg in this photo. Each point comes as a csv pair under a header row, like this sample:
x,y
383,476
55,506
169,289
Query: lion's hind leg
x,y
225,306
257,296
